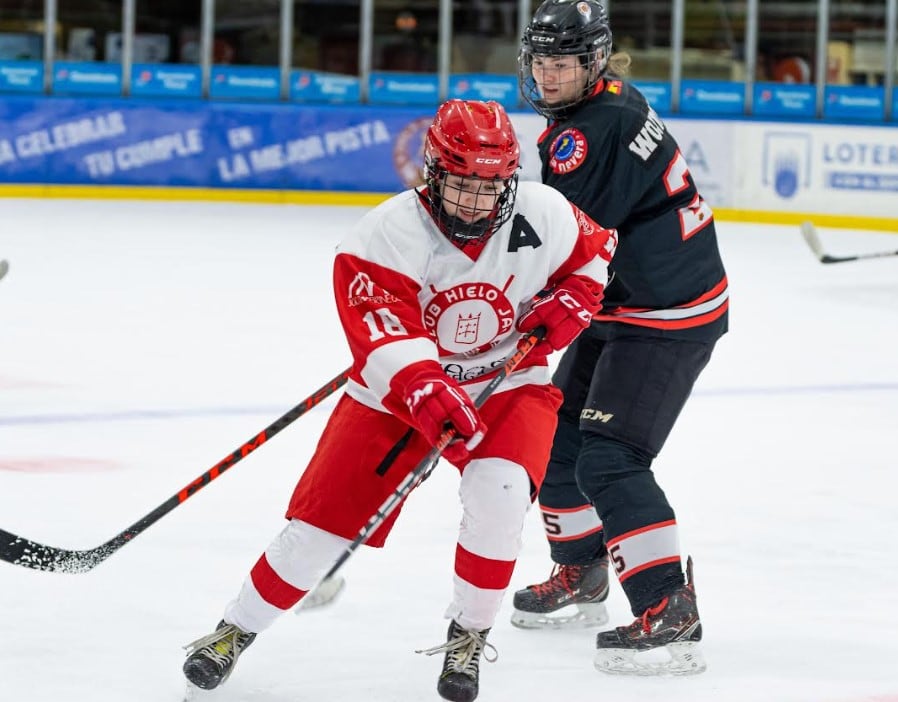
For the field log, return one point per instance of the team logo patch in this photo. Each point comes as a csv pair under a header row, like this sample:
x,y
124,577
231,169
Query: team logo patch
x,y
568,151
468,318
587,226
363,290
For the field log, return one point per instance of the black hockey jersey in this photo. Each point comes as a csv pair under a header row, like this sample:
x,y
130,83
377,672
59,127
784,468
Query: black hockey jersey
x,y
614,159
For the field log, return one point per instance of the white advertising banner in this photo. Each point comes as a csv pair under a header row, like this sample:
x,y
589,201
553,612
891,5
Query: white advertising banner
x,y
827,169
528,127
774,167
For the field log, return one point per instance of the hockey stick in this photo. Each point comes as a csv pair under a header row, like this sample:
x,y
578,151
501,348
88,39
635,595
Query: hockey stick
x,y
328,589
30,554
426,465
809,232
4,267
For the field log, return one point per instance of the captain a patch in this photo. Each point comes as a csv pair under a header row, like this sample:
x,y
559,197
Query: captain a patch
x,y
568,151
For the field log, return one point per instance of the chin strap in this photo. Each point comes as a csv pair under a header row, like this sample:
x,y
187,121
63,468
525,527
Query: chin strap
x,y
450,225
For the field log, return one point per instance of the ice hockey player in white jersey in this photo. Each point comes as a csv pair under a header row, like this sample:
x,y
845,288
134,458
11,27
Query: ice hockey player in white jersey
x,y
434,288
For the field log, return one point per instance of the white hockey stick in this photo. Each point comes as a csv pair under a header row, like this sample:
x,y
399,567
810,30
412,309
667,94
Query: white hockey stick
x,y
809,232
322,595
4,267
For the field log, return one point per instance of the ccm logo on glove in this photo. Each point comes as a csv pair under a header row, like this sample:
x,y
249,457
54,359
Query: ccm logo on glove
x,y
565,312
435,403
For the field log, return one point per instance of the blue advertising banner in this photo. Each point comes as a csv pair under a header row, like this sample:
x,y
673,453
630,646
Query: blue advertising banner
x,y
314,86
784,100
404,88
482,86
166,80
245,82
206,144
22,76
657,94
712,97
87,78
854,102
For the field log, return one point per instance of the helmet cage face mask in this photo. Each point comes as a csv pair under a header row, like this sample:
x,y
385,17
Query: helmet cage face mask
x,y
482,221
594,64
471,158
560,28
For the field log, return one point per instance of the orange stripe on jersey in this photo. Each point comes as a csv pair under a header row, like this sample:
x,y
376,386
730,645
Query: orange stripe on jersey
x,y
715,302
713,292
688,323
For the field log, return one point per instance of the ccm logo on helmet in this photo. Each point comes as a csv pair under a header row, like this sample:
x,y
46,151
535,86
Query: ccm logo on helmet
x,y
488,161
542,39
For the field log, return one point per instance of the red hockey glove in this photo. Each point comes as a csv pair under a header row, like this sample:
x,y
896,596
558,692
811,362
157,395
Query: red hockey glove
x,y
564,313
437,402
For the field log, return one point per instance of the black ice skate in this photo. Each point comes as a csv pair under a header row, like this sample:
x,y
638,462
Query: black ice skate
x,y
211,659
573,596
673,625
460,678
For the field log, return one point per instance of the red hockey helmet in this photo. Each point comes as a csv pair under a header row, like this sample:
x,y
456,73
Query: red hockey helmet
x,y
471,138
476,140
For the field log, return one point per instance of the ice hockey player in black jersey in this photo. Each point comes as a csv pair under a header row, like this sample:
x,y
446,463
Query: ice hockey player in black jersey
x,y
626,379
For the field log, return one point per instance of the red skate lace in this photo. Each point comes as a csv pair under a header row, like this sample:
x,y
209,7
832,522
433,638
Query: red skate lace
x,y
652,612
562,577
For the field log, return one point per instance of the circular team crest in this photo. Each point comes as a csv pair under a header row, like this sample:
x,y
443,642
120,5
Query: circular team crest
x,y
408,152
466,319
568,151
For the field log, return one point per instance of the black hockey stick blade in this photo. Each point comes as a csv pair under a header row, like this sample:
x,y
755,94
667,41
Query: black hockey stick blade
x,y
30,554
809,232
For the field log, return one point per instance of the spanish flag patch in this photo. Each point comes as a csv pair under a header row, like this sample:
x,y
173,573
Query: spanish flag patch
x,y
614,86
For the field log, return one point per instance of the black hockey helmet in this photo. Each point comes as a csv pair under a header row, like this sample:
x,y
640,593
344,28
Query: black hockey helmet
x,y
565,28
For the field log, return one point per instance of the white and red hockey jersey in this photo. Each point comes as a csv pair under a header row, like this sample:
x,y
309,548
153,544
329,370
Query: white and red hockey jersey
x,y
406,294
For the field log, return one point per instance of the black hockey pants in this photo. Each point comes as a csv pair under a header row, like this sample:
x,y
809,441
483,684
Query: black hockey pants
x,y
621,399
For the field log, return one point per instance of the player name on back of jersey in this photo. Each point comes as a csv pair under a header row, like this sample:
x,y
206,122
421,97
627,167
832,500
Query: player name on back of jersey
x,y
649,136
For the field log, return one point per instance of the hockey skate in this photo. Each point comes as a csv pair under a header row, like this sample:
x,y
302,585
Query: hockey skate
x,y
573,597
460,678
211,659
663,641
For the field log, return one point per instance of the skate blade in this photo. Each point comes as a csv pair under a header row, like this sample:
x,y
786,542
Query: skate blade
x,y
587,615
192,693
682,658
322,595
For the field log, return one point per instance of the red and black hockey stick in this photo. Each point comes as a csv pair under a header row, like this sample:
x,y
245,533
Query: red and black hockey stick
x,y
428,463
29,554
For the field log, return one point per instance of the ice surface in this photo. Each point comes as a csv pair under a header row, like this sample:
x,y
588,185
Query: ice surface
x,y
140,343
